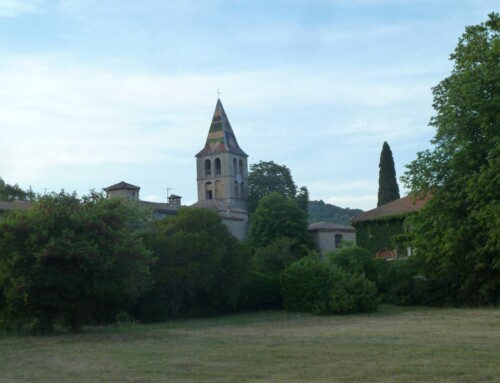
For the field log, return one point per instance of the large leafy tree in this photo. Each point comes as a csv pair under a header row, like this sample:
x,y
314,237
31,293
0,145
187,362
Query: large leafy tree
x,y
388,189
200,266
279,217
69,261
269,177
456,234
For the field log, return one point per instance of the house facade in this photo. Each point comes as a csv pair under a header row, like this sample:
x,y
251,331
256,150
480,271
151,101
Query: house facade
x,y
329,236
384,230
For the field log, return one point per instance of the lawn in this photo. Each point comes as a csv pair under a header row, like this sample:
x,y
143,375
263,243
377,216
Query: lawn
x,y
392,345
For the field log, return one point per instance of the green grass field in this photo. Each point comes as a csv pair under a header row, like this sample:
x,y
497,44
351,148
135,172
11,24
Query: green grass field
x,y
391,345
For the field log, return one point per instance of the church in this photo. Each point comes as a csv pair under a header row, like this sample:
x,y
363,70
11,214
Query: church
x,y
221,177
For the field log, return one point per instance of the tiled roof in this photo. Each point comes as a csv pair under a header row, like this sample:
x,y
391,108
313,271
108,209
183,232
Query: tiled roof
x,y
122,185
10,205
400,206
329,226
221,137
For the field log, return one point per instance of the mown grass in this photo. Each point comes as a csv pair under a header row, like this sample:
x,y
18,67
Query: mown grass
x,y
391,345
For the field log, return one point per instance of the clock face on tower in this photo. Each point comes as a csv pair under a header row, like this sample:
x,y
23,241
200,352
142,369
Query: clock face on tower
x,y
238,179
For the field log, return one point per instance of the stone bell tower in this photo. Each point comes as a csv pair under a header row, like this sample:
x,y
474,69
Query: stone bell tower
x,y
221,166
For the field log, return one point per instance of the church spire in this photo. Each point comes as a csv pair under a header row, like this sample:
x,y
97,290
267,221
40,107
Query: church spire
x,y
221,138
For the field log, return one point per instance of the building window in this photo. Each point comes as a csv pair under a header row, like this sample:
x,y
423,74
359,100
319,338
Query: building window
x,y
208,168
235,167
218,168
241,168
338,239
208,190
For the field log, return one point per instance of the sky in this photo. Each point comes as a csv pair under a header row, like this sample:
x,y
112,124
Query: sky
x,y
94,92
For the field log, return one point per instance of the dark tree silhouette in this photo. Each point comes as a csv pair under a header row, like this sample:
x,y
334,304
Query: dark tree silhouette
x,y
388,189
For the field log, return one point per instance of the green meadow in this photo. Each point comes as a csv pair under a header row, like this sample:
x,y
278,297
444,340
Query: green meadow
x,y
391,345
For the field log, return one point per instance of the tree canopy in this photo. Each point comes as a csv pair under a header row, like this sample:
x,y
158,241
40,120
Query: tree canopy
x,y
278,216
269,177
70,261
200,266
388,189
456,233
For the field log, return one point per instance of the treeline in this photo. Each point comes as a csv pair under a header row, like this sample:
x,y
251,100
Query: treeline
x,y
72,262
320,211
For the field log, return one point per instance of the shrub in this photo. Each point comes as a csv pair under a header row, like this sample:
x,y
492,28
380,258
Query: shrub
x,y
317,287
352,293
354,260
400,283
260,292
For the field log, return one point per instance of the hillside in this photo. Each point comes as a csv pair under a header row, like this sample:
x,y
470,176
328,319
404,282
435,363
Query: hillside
x,y
320,211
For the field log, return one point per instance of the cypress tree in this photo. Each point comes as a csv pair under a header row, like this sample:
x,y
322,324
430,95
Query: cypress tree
x,y
388,189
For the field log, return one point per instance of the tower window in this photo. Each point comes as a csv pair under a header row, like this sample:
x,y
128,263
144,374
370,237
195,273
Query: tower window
x,y
241,168
208,168
235,167
218,167
208,190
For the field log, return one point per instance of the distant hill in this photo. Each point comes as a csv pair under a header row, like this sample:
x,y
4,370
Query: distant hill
x,y
320,211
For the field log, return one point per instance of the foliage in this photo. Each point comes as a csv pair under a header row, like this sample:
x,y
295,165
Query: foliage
x,y
70,261
260,292
14,192
400,283
388,189
276,217
310,285
277,256
456,233
320,211
354,260
352,293
380,234
268,177
200,269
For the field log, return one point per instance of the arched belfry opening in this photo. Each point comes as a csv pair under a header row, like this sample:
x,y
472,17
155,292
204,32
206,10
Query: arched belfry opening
x,y
222,166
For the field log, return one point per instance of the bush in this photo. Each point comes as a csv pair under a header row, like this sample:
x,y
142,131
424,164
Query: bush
x,y
355,260
277,256
317,287
260,292
400,283
353,293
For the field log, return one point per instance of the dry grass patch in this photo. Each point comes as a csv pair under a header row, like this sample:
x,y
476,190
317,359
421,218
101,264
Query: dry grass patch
x,y
392,345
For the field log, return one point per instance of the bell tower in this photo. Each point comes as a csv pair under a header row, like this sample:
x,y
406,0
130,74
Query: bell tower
x,y
221,166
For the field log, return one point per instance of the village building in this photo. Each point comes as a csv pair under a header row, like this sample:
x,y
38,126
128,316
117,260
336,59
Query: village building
x,y
384,230
222,179
329,236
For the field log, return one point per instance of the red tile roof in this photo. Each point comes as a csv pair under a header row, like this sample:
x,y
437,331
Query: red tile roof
x,y
400,206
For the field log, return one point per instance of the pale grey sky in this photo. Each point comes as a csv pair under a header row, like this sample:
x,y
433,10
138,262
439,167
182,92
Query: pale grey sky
x,y
96,92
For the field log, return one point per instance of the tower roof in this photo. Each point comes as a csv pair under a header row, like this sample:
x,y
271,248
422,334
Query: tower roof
x,y
221,138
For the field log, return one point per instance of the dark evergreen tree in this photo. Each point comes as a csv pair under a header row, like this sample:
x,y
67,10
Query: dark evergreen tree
x,y
388,189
